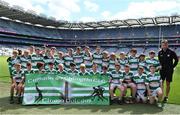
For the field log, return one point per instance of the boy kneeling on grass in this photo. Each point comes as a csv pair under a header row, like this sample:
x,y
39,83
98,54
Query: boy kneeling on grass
x,y
17,84
154,86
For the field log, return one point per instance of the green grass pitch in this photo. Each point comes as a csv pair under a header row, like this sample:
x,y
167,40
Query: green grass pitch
x,y
6,108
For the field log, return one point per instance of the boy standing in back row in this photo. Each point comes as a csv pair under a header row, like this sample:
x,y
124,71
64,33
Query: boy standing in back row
x,y
133,61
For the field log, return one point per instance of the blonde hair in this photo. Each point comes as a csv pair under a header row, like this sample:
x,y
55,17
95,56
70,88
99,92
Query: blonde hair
x,y
27,51
15,51
82,65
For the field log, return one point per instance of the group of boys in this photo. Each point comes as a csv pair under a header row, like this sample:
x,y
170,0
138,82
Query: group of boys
x,y
138,73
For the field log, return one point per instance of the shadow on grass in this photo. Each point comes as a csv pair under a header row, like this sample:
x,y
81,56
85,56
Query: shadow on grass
x,y
79,109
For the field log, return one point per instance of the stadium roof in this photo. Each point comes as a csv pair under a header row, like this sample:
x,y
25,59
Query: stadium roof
x,y
17,13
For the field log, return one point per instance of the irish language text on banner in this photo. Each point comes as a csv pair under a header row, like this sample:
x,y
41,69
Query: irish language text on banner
x,y
66,89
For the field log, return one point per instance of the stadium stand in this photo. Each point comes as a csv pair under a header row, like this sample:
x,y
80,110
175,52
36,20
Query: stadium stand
x,y
19,28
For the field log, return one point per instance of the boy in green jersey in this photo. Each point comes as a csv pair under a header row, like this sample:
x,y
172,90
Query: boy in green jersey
x,y
54,51
78,57
68,58
140,80
59,59
154,86
128,81
51,69
112,61
94,70
152,61
105,71
105,59
116,82
28,69
40,68
73,69
97,57
25,58
133,61
35,58
83,70
18,83
13,60
123,60
142,62
31,49
61,69
48,58
87,59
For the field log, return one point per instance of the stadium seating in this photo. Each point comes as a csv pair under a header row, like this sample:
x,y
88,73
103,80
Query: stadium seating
x,y
113,40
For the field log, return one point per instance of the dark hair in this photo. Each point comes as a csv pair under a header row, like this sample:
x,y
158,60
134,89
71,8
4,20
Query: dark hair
x,y
39,64
133,50
151,66
29,64
50,63
19,52
72,64
104,67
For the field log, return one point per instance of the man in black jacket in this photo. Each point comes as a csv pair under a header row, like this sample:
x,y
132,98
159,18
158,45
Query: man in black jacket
x,y
168,60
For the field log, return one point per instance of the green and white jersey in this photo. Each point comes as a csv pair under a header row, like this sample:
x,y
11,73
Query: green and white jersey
x,y
87,61
59,61
122,63
85,73
112,64
29,71
143,64
97,58
116,77
153,62
128,77
153,80
105,62
107,74
47,60
94,73
133,63
38,71
67,60
75,72
35,59
24,60
49,71
62,72
11,62
56,55
140,81
18,76
78,59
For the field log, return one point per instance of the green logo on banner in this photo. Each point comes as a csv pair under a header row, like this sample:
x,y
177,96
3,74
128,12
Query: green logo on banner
x,y
66,89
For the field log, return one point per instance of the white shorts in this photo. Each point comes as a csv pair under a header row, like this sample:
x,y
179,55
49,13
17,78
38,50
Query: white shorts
x,y
113,85
128,85
154,92
141,94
